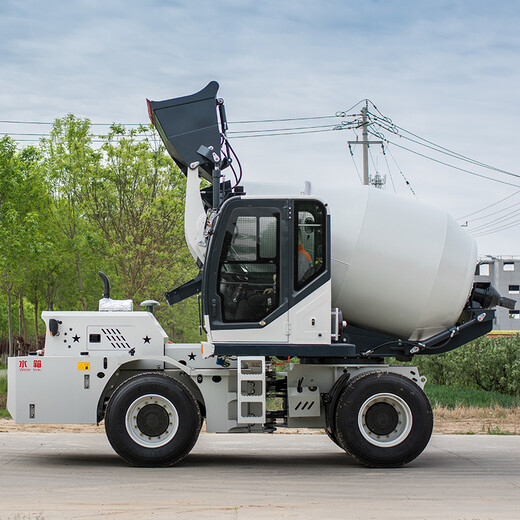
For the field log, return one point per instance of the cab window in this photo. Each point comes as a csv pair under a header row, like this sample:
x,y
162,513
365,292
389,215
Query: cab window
x,y
249,268
309,239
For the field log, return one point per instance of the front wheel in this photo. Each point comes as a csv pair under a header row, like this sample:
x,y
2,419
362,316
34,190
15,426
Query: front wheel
x,y
383,419
152,420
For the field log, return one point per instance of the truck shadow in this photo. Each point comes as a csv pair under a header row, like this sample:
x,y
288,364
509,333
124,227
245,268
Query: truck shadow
x,y
313,462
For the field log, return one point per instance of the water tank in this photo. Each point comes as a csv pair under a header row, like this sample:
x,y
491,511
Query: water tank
x,y
398,266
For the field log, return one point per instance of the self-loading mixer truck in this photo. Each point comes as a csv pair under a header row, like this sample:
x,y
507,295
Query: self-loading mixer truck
x,y
338,283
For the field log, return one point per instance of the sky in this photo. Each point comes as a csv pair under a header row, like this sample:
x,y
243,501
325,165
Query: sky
x,y
448,71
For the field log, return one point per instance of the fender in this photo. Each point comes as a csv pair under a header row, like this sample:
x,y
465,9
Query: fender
x,y
115,380
330,399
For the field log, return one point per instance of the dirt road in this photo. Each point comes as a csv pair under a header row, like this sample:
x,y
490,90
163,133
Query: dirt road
x,y
57,476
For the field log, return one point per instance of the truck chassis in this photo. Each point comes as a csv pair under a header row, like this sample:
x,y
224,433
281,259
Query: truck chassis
x,y
154,396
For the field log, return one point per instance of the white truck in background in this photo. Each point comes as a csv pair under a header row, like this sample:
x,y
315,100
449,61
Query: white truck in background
x,y
340,284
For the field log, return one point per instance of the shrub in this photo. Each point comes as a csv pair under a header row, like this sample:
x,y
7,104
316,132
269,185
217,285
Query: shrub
x,y
487,363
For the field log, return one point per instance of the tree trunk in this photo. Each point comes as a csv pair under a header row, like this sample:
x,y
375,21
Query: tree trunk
x,y
10,319
20,313
48,297
36,315
80,290
22,325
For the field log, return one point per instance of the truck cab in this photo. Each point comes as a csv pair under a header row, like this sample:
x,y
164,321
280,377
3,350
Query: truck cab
x,y
267,274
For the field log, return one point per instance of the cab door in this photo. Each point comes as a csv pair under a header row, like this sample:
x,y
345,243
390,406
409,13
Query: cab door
x,y
247,273
310,287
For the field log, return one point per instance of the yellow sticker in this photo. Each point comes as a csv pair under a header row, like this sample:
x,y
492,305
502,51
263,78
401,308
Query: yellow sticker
x,y
83,366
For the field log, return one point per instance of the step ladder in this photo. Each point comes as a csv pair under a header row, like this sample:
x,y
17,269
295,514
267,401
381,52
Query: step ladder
x,y
251,390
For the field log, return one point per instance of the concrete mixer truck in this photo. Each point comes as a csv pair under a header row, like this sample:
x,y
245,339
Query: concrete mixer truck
x,y
339,282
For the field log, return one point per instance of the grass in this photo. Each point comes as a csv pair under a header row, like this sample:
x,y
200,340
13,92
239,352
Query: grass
x,y
3,383
3,395
495,430
453,397
450,397
472,420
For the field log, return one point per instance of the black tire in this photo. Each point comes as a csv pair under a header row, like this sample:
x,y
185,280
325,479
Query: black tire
x,y
152,420
383,419
332,436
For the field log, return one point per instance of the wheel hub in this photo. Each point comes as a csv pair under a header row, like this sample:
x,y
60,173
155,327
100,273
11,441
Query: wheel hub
x,y
152,420
381,419
385,420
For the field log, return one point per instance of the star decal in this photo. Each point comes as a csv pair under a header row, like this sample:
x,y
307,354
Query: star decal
x,y
192,356
75,338
147,339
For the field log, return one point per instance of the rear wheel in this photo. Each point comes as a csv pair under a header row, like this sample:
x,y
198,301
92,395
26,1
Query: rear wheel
x,y
383,419
332,436
152,420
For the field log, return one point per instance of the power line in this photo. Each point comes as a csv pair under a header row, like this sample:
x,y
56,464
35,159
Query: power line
x,y
339,114
281,129
264,132
407,182
43,136
499,220
357,170
92,140
352,107
496,230
274,133
496,212
439,148
448,164
353,160
457,156
236,134
52,122
389,171
372,159
385,118
490,206
382,121
26,134
284,119
386,123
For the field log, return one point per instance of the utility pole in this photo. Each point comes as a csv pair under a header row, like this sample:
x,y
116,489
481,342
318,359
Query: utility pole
x,y
366,143
364,122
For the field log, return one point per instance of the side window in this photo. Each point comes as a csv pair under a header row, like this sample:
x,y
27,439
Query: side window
x,y
248,268
309,234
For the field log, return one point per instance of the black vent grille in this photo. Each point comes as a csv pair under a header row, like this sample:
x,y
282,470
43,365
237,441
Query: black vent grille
x,y
115,338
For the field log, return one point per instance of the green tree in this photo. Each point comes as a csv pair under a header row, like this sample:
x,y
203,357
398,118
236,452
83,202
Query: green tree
x,y
21,198
136,199
69,159
69,209
137,202
8,174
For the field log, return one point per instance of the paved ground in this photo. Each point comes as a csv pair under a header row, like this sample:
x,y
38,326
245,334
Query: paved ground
x,y
78,476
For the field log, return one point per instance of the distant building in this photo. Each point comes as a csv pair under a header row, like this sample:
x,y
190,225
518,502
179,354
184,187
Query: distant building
x,y
504,274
